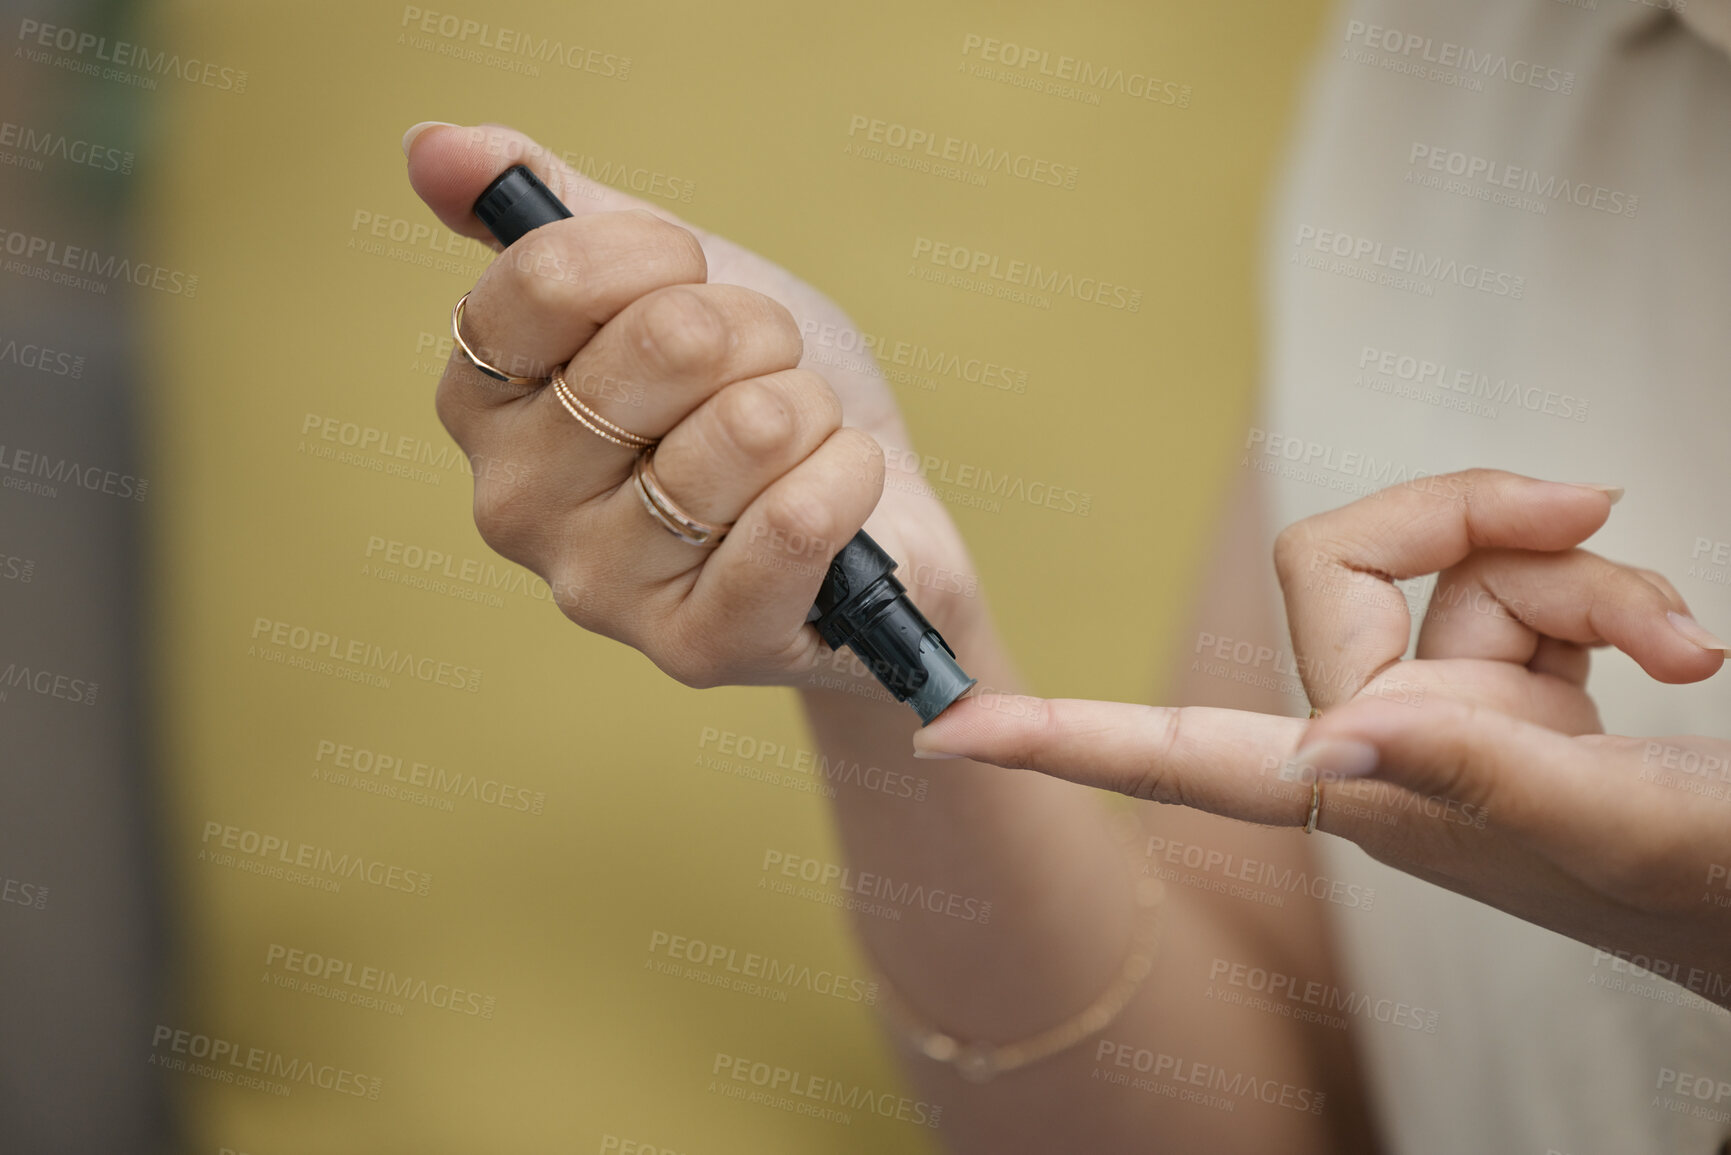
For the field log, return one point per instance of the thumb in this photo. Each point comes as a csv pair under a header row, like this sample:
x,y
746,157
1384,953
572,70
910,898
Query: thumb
x,y
1530,780
450,165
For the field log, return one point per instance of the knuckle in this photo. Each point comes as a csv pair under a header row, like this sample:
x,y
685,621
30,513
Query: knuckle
x,y
1292,551
543,276
780,324
688,248
570,584
801,511
680,334
754,418
1480,476
819,399
1159,782
1468,484
1469,489
1665,593
1472,479
672,250
502,517
866,452
693,664
1023,741
448,404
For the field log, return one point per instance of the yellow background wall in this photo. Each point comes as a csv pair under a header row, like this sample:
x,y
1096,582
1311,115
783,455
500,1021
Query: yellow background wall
x,y
551,914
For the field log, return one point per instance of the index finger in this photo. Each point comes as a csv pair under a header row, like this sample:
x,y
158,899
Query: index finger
x,y
1227,762
1338,569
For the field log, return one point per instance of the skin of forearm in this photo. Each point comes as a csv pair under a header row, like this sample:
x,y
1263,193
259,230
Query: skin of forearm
x,y
1043,852
1039,850
1240,600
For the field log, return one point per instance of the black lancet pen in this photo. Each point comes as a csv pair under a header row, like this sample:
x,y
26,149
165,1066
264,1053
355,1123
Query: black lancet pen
x,y
861,605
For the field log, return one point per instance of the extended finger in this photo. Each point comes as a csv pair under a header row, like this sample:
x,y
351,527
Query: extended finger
x,y
1337,569
1227,762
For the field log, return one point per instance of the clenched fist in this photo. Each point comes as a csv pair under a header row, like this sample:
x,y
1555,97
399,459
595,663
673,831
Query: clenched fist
x,y
672,334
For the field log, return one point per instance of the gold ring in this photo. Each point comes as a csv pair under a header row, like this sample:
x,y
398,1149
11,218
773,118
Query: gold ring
x,y
1315,791
593,421
495,374
1315,805
662,508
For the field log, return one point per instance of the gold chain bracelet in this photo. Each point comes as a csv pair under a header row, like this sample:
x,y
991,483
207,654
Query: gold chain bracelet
x,y
978,1061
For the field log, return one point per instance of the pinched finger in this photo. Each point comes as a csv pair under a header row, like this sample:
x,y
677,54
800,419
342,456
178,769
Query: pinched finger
x,y
1501,604
1338,569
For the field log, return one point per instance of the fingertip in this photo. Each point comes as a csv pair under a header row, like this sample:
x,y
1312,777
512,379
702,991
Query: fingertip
x,y
450,165
960,730
1697,634
1676,650
1690,653
447,174
1612,493
1565,514
416,130
941,737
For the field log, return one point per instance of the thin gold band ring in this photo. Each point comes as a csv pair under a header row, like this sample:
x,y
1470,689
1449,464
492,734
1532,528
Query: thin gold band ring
x,y
1315,791
495,373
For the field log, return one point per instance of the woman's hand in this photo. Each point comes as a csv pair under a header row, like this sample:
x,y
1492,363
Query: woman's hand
x,y
676,334
1476,765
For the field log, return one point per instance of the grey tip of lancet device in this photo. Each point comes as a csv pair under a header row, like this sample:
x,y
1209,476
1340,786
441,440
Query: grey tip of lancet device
x,y
945,681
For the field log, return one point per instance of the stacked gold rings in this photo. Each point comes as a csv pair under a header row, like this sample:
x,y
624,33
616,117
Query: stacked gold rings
x,y
665,511
688,529
662,507
593,421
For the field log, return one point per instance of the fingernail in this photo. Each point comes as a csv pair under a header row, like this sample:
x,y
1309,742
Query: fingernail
x,y
417,129
930,746
1696,633
1338,758
1614,492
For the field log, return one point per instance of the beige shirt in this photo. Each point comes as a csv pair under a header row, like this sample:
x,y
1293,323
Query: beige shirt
x,y
1710,18
1502,242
